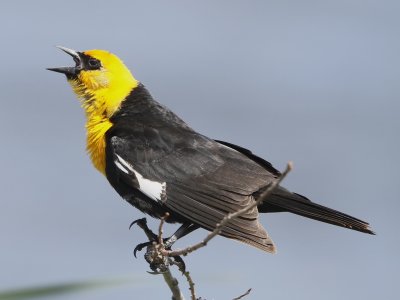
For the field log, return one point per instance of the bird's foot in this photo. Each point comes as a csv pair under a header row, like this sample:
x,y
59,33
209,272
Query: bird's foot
x,y
159,261
157,253
139,247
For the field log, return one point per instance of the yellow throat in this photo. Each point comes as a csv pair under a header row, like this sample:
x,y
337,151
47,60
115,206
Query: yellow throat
x,y
101,93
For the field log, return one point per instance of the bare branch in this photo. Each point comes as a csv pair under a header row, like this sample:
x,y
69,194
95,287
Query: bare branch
x,y
173,285
244,295
191,285
168,276
160,229
218,228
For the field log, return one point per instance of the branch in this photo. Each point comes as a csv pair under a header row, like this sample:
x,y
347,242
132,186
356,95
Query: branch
x,y
218,228
171,281
173,285
244,295
191,284
160,230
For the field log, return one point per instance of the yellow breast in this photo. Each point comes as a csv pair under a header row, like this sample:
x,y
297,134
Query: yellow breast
x,y
96,128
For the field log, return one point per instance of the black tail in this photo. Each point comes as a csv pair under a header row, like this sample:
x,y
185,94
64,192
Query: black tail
x,y
283,200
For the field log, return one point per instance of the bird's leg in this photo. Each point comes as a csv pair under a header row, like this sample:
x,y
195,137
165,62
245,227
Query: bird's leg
x,y
185,229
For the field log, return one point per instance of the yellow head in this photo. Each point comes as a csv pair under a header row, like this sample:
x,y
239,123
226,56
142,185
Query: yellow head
x,y
100,79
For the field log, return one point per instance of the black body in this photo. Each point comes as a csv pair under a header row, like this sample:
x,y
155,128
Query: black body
x,y
205,179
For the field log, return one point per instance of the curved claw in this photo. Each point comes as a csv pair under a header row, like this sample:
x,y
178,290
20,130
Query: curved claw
x,y
180,263
140,247
137,221
156,272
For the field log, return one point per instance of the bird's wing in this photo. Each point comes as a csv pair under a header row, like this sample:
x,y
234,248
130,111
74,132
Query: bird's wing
x,y
194,177
261,161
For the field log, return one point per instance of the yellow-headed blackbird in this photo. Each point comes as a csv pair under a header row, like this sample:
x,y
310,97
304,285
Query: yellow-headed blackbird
x,y
157,163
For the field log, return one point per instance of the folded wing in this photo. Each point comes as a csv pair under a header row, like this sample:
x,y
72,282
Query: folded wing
x,y
193,176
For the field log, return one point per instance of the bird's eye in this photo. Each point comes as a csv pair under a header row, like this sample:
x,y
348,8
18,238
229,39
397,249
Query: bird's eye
x,y
94,63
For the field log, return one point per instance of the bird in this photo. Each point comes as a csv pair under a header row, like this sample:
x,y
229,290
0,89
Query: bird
x,y
159,164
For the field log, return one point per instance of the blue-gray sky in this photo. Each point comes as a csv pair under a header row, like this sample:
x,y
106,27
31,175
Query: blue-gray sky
x,y
315,82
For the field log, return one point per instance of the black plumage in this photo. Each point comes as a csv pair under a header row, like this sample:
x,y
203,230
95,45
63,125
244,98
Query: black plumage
x,y
204,179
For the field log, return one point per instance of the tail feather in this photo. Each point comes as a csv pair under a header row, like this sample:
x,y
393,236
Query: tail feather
x,y
283,200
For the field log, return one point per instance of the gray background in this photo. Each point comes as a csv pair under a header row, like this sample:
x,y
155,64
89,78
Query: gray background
x,y
315,82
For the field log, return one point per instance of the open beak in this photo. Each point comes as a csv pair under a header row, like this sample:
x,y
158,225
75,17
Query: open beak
x,y
69,71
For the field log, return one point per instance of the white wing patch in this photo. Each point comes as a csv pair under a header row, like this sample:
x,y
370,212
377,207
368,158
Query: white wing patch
x,y
152,189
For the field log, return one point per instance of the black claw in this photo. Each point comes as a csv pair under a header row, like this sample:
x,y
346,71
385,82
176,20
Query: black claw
x,y
140,247
155,272
180,263
138,221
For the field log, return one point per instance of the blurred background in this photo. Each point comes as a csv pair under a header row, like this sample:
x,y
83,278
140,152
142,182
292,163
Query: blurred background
x,y
315,82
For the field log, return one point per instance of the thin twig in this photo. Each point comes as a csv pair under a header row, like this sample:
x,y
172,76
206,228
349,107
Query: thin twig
x,y
173,285
244,295
218,228
191,285
168,277
171,281
160,229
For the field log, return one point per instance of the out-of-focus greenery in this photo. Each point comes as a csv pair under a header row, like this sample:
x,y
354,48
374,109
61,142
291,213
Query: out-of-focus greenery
x,y
37,292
